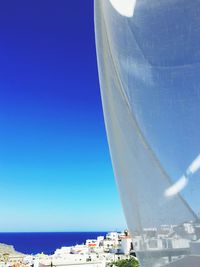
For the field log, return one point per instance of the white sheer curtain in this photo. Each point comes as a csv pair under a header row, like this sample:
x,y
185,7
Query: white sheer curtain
x,y
148,67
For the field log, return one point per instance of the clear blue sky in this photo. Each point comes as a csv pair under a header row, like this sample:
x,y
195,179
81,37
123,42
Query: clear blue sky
x,y
55,170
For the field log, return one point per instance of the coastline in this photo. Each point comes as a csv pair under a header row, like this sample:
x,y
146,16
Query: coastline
x,y
98,252
46,242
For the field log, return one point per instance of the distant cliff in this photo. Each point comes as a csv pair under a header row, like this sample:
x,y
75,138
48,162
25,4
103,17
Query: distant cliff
x,y
7,249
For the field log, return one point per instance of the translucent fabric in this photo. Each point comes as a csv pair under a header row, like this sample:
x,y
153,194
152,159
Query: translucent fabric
x,y
148,59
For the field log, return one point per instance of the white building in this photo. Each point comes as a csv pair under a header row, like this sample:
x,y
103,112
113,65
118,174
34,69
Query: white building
x,y
126,243
62,251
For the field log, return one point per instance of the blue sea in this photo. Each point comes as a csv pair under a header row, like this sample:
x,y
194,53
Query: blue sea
x,y
33,243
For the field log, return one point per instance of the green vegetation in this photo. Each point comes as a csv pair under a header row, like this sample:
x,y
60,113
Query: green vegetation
x,y
132,262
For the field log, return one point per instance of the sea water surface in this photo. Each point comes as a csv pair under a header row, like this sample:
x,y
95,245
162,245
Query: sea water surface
x,y
33,243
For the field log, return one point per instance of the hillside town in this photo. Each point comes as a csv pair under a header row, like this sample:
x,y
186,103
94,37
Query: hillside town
x,y
98,252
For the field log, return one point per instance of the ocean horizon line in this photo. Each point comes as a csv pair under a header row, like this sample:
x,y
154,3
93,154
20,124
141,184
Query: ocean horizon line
x,y
74,231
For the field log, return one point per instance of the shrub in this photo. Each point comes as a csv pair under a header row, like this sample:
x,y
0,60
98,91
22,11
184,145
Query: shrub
x,y
132,262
